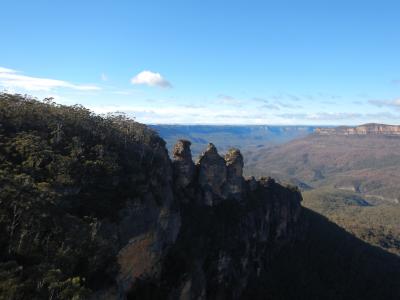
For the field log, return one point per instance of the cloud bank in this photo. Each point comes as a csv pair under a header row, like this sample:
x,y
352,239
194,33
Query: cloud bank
x,y
11,79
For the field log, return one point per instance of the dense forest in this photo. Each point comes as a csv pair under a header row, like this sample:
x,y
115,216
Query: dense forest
x,y
62,168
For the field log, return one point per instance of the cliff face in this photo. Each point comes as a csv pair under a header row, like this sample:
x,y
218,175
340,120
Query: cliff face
x,y
229,230
366,129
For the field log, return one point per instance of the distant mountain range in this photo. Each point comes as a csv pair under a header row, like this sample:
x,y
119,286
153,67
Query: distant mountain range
x,y
227,136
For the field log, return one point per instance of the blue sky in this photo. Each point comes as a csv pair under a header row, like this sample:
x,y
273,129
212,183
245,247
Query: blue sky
x,y
214,62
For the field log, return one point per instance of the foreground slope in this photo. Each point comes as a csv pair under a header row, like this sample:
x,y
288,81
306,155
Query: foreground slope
x,y
93,208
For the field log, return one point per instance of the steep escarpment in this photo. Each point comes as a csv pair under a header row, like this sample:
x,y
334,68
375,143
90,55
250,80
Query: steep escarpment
x,y
231,228
363,130
250,239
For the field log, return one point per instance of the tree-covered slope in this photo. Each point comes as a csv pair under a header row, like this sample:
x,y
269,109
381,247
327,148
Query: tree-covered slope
x,y
62,169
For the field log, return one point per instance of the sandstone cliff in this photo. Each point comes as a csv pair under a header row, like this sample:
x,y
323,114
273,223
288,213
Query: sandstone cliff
x,y
366,129
220,232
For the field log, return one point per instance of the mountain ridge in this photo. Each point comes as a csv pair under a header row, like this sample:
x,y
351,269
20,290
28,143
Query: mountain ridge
x,y
364,129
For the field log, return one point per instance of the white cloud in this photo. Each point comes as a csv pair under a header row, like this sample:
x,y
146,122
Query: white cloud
x,y
6,70
11,79
151,79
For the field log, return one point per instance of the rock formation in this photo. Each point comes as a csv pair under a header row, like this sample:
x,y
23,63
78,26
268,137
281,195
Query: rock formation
x,y
212,175
228,226
217,178
234,165
183,167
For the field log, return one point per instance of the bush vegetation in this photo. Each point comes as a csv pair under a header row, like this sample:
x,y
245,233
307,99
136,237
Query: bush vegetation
x,y
62,170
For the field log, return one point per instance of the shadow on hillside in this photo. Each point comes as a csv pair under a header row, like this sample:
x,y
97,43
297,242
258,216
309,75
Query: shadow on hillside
x,y
329,263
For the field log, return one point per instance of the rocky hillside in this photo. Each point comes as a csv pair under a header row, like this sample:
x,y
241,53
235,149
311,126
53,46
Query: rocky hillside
x,y
92,207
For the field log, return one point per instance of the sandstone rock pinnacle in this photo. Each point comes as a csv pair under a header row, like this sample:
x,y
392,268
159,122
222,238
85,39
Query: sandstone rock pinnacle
x,y
183,164
234,164
212,175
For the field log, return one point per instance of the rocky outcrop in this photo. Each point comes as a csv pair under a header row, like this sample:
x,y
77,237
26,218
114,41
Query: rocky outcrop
x,y
230,229
183,168
212,175
213,179
234,180
198,231
366,129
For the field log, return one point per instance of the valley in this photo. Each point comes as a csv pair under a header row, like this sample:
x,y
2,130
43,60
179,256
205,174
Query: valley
x,y
350,175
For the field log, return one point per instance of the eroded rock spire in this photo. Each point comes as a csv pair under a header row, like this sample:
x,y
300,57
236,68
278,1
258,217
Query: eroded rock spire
x,y
234,180
212,175
184,168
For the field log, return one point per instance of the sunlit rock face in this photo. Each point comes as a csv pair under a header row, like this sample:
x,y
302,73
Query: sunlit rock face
x,y
220,177
235,181
366,129
212,175
183,165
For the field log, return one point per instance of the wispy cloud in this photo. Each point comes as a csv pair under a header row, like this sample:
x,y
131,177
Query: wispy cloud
x,y
11,79
275,103
270,106
322,116
188,114
151,79
229,100
381,103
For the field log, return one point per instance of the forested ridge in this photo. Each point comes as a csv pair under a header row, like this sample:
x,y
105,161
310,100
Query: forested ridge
x,y
62,168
